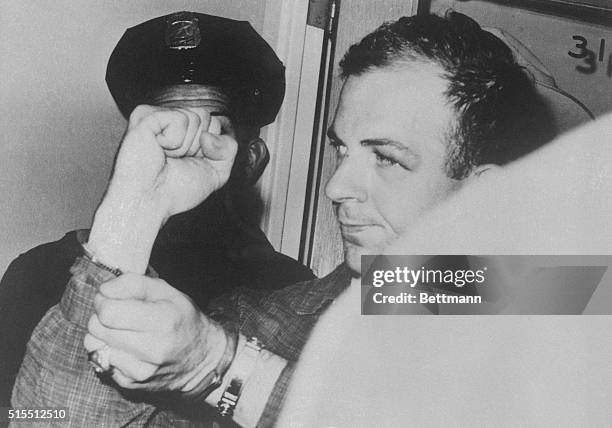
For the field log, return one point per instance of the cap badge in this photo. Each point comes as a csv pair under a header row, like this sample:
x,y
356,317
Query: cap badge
x,y
182,31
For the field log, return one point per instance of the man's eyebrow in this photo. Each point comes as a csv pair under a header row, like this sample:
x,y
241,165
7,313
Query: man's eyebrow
x,y
369,142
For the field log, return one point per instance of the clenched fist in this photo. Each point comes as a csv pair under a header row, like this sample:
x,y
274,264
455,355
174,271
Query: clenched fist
x,y
170,160
158,339
176,157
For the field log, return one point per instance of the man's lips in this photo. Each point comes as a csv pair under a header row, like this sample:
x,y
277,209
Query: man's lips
x,y
354,227
355,232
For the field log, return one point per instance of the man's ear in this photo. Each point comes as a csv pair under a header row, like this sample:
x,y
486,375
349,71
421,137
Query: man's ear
x,y
257,158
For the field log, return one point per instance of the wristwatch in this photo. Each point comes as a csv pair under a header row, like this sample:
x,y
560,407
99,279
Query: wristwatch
x,y
241,371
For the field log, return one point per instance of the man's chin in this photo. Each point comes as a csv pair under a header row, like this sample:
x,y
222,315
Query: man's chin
x,y
352,256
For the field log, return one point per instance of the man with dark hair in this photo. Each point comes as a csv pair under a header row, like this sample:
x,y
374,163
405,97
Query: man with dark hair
x,y
413,124
428,104
500,116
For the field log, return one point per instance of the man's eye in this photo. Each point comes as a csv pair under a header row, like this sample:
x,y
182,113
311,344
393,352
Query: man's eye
x,y
384,160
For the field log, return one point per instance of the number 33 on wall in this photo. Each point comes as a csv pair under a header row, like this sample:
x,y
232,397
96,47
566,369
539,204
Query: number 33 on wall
x,y
588,57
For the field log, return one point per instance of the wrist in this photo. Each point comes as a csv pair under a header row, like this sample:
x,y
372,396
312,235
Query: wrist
x,y
209,375
124,231
258,377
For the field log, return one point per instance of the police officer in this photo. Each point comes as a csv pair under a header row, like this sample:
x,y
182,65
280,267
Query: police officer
x,y
192,61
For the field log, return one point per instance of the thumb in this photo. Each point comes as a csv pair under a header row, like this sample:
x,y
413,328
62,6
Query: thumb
x,y
91,343
218,147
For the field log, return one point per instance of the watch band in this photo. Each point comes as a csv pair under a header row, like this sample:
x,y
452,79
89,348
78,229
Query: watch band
x,y
89,255
241,371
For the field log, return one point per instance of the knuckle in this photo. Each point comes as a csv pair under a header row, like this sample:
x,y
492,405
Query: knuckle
x,y
193,116
104,313
181,117
104,316
158,355
138,112
179,300
143,372
98,300
88,342
122,381
92,325
148,372
158,282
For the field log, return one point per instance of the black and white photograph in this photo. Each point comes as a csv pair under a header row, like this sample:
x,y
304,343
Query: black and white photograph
x,y
306,213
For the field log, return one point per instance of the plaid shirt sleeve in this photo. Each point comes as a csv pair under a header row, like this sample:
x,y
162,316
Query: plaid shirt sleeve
x,y
55,371
282,320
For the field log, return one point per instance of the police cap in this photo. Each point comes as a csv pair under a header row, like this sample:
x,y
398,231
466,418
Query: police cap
x,y
189,47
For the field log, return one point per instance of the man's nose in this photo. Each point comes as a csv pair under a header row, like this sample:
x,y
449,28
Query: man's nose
x,y
349,182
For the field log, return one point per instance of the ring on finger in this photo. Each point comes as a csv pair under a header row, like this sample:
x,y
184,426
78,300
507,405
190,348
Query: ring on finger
x,y
100,360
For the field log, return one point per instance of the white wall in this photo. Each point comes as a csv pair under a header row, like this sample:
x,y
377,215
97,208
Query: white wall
x,y
550,38
59,127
